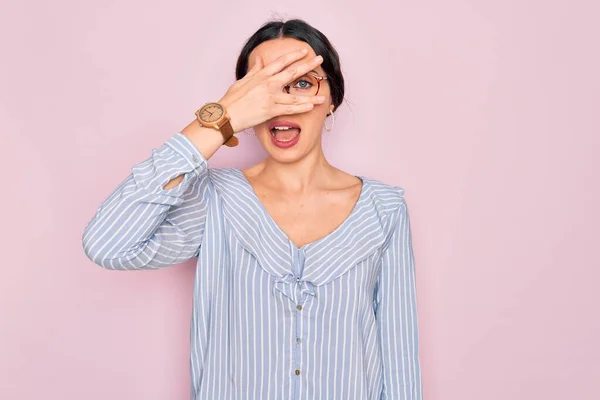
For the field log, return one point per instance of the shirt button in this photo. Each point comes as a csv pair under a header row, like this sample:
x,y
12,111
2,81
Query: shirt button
x,y
299,307
298,340
195,158
297,372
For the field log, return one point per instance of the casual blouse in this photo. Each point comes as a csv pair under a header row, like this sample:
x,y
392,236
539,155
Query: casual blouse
x,y
333,319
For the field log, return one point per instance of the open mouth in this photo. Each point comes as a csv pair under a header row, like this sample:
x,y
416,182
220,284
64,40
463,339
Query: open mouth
x,y
285,133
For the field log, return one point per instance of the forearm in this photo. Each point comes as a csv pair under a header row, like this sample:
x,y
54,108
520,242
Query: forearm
x,y
206,140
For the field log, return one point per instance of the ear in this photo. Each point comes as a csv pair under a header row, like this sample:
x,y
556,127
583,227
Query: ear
x,y
331,107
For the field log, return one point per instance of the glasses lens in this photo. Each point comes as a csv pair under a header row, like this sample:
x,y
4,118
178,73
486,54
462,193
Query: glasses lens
x,y
306,85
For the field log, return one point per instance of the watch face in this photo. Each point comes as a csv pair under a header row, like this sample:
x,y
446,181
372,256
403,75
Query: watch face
x,y
211,112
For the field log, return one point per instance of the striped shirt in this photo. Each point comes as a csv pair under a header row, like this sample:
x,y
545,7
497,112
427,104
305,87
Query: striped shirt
x,y
333,319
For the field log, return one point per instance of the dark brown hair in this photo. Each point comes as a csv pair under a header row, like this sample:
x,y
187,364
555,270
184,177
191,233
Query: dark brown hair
x,y
300,30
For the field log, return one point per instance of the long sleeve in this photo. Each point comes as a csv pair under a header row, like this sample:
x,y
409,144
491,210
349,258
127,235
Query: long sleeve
x,y
396,313
141,225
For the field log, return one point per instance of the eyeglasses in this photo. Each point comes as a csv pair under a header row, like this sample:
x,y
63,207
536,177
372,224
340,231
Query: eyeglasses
x,y
306,85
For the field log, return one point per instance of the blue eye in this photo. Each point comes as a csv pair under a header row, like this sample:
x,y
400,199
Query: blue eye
x,y
303,84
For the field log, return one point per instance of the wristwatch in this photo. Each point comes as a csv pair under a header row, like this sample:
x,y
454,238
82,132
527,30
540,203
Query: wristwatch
x,y
214,115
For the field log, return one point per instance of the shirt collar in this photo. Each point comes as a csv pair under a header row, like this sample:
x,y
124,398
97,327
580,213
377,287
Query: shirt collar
x,y
298,270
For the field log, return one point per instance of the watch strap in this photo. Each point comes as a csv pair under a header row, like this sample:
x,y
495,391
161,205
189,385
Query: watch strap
x,y
227,132
232,142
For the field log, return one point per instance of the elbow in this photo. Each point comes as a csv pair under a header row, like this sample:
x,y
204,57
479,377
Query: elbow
x,y
97,257
105,261
89,247
100,256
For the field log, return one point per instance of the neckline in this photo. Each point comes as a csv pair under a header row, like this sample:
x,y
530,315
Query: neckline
x,y
283,235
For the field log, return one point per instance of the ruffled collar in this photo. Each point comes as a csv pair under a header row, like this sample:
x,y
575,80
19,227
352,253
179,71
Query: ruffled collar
x,y
297,271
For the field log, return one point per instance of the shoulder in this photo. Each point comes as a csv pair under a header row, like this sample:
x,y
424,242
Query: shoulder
x,y
388,200
223,176
220,172
388,197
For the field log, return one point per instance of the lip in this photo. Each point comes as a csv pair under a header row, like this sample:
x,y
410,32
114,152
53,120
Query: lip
x,y
283,123
285,145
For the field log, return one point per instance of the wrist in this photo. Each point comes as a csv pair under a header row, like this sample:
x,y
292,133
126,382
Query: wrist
x,y
233,115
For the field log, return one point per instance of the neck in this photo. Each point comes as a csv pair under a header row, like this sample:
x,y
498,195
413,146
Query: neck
x,y
310,172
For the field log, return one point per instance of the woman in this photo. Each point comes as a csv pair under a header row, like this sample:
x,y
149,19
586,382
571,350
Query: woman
x,y
305,282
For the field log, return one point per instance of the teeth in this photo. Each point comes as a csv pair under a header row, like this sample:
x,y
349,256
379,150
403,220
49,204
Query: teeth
x,y
281,128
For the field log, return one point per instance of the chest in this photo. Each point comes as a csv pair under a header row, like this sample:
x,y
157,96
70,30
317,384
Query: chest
x,y
307,219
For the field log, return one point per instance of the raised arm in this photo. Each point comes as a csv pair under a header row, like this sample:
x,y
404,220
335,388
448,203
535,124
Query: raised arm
x,y
156,217
396,313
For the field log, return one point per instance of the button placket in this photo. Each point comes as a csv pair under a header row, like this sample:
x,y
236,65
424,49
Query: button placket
x,y
298,266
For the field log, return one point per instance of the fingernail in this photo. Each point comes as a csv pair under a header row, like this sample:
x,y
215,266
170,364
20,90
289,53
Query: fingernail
x,y
308,105
305,50
320,98
318,58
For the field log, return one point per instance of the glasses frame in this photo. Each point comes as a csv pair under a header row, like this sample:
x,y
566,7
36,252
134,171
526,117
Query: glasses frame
x,y
318,77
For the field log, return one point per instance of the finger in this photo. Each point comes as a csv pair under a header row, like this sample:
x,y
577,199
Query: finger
x,y
296,71
287,109
254,70
285,98
283,61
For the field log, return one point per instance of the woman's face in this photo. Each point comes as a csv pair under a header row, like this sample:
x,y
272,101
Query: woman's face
x,y
311,122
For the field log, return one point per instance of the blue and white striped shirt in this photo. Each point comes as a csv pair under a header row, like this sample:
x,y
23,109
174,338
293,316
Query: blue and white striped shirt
x,y
333,319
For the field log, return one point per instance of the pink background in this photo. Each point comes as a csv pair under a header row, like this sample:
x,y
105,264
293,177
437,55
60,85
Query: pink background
x,y
486,112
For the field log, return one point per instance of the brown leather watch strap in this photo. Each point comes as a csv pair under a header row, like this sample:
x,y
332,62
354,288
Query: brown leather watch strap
x,y
232,142
228,136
